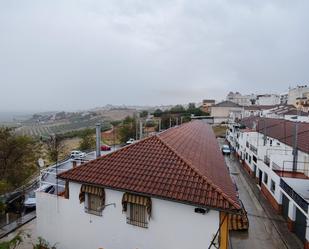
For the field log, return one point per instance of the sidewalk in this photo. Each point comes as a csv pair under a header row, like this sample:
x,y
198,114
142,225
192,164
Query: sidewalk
x,y
289,239
5,230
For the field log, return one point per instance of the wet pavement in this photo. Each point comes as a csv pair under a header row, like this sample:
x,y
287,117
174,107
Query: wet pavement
x,y
267,230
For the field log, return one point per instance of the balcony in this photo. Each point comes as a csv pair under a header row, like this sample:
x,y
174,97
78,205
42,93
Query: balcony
x,y
294,195
287,171
267,160
253,149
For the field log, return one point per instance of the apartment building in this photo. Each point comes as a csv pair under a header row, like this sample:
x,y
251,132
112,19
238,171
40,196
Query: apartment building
x,y
275,152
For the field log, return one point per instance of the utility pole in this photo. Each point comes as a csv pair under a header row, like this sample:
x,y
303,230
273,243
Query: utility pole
x,y
170,122
140,129
159,124
98,139
176,121
181,120
295,149
265,135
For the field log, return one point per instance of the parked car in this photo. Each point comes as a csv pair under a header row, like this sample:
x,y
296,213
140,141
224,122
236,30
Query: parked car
x,y
47,188
76,154
130,141
30,202
105,147
226,149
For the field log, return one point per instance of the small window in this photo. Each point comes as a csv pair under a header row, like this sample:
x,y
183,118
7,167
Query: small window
x,y
249,159
265,178
246,156
271,142
137,215
272,186
93,204
254,159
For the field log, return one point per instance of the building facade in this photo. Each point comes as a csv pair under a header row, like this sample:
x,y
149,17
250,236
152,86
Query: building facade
x,y
226,111
280,168
161,192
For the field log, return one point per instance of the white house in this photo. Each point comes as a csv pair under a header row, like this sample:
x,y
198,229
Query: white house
x,y
268,99
171,190
278,160
226,110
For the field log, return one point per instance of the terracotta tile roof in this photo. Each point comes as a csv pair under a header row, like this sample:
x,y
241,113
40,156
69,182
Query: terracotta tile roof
x,y
281,129
182,164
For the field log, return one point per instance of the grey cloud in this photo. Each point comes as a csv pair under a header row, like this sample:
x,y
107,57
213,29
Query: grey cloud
x,y
79,54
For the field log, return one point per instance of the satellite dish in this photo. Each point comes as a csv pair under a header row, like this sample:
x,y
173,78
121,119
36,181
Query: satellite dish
x,y
41,162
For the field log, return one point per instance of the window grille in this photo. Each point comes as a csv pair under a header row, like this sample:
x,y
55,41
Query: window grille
x,y
137,215
94,204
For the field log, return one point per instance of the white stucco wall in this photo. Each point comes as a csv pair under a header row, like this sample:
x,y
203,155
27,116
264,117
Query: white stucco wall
x,y
172,226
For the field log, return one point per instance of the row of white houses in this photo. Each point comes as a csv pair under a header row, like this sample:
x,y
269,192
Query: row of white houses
x,y
279,163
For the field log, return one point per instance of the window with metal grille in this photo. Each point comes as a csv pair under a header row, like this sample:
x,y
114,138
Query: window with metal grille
x,y
137,215
93,204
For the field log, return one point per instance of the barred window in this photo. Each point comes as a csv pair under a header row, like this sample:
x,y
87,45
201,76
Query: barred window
x,y
94,204
137,215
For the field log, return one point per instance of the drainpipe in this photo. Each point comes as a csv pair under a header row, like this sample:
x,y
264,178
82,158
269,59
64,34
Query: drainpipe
x,y
98,140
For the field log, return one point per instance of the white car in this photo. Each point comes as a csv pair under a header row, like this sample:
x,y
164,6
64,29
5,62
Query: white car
x,y
130,141
226,149
76,154
30,201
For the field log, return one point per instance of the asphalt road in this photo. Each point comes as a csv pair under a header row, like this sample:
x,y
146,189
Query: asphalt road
x,y
262,234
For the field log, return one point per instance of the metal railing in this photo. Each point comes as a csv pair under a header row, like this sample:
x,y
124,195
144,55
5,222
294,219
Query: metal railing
x,y
253,149
288,171
267,160
296,197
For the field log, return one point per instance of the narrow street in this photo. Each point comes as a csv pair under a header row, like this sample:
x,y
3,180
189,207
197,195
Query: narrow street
x,y
262,233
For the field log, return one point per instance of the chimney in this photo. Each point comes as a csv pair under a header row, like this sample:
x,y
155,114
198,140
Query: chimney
x,y
98,140
74,164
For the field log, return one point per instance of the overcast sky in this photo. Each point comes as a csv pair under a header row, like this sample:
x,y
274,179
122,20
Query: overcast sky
x,y
78,54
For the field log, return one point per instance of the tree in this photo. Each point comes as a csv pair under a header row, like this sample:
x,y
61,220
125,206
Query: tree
x,y
88,140
18,157
157,113
177,109
143,114
127,129
54,147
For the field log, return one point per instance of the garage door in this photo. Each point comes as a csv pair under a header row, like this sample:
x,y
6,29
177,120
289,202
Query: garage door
x,y
300,225
285,207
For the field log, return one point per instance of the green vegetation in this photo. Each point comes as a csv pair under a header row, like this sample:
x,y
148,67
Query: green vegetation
x,y
88,139
18,157
20,237
43,244
15,242
54,147
127,129
72,126
178,114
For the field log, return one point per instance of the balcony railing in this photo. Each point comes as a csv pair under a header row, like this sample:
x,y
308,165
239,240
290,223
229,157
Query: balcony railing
x,y
288,171
253,149
296,197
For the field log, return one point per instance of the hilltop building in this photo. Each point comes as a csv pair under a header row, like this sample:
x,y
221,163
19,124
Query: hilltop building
x,y
297,93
